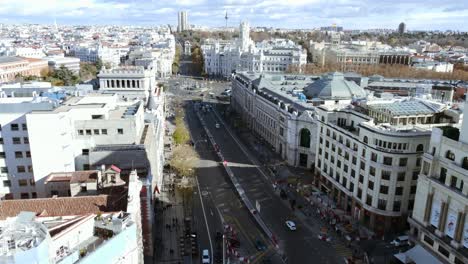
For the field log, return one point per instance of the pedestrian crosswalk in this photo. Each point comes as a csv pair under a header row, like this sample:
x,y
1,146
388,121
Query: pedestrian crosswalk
x,y
342,250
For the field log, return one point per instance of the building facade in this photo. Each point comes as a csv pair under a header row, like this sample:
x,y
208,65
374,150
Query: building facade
x,y
12,67
439,221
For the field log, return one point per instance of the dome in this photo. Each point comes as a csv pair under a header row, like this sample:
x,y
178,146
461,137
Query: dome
x,y
333,86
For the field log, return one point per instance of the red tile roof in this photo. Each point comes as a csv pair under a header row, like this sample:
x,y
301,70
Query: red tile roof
x,y
63,206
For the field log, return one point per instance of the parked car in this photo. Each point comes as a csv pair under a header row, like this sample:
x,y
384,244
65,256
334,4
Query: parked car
x,y
400,241
206,256
291,225
217,125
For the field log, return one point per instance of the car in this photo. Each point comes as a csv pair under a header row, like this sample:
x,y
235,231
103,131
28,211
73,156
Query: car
x,y
400,241
291,225
217,125
206,256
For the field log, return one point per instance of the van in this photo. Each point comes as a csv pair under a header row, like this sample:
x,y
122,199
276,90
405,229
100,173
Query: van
x,y
206,256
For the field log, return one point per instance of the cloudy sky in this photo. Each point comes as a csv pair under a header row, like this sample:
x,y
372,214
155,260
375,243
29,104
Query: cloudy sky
x,y
352,14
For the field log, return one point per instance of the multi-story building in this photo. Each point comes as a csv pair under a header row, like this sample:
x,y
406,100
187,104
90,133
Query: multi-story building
x,y
73,64
182,21
226,57
369,157
281,109
90,53
439,223
17,180
130,81
366,153
12,67
82,229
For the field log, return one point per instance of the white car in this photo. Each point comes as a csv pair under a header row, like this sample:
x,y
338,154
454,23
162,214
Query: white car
x,y
291,225
206,256
217,125
400,241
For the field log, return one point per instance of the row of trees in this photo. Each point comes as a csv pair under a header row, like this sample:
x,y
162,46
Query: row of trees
x,y
198,62
386,70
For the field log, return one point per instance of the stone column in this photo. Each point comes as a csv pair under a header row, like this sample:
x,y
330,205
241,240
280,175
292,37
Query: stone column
x,y
442,220
427,211
457,240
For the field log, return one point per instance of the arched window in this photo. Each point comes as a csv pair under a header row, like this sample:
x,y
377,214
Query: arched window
x,y
450,155
420,147
365,139
323,119
305,138
465,163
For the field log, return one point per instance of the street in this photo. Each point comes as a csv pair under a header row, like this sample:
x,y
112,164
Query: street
x,y
301,246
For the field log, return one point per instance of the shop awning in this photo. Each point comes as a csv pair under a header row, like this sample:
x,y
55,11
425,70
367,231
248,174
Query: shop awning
x,y
418,255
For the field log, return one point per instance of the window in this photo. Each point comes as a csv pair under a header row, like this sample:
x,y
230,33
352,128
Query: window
x,y
120,132
418,162
14,127
359,193
25,127
54,193
382,205
374,157
80,132
338,163
28,154
2,155
365,139
420,148
403,162
353,173
450,155
1,141
396,206
363,153
24,195
16,140
465,163
415,175
425,169
96,131
20,169
443,175
85,152
443,251
88,131
86,166
23,182
30,168
18,154
361,178
26,140
372,171
428,240
369,200
282,133
32,182
34,195
388,161
354,160
4,169
83,188
383,189
104,131
413,189
345,168
6,183
399,190
370,185
363,165
351,187
401,176
386,175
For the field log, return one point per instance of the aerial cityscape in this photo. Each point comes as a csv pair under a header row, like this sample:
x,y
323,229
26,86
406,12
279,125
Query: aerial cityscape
x,y
205,132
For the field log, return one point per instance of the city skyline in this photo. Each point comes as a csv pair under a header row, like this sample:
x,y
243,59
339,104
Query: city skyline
x,y
270,13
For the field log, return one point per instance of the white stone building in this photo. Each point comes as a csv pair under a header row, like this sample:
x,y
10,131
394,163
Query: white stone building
x,y
73,64
90,53
225,57
366,154
135,82
17,179
439,223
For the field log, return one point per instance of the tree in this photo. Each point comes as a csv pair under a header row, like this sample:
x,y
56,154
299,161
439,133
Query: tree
x,y
99,64
176,62
88,71
198,62
183,161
